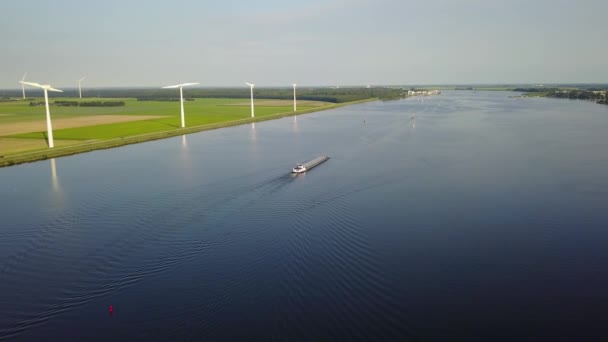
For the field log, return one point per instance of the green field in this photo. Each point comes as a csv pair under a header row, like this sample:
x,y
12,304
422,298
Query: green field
x,y
23,129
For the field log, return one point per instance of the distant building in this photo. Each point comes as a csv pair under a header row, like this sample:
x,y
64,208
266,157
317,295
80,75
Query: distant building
x,y
423,92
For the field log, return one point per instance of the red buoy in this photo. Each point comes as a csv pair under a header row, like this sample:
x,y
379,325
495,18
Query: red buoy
x,y
111,310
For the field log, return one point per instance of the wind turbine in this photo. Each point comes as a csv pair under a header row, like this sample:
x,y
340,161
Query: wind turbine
x,y
251,85
294,97
181,96
23,86
79,88
46,88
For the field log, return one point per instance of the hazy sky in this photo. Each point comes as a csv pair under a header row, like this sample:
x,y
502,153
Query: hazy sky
x,y
312,42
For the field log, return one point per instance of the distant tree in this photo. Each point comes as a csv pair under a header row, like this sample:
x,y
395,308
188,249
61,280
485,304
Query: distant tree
x,y
102,104
66,103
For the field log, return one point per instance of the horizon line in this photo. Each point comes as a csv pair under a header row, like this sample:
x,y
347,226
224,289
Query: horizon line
x,y
534,84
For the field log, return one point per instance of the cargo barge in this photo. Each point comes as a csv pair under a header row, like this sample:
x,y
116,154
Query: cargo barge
x,y
309,165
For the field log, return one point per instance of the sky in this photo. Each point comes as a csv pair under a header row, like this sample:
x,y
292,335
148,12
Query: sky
x,y
313,42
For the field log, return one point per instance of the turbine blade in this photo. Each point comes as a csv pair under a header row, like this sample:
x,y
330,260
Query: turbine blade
x,y
82,79
24,76
172,86
37,85
189,84
53,89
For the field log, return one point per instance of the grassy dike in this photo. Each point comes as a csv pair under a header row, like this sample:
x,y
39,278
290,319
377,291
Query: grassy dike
x,y
27,157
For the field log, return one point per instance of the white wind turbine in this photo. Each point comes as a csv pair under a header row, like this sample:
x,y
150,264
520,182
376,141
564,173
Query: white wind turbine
x,y
23,86
181,97
46,88
294,97
79,87
251,85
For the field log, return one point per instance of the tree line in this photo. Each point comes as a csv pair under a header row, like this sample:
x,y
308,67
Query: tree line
x,y
335,95
597,94
81,104
578,94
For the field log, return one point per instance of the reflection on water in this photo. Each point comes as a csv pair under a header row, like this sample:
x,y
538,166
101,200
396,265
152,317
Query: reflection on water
x,y
295,124
295,175
58,196
184,142
54,178
185,161
252,132
253,142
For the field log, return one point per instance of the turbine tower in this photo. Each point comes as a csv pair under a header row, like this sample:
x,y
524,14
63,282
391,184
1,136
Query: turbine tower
x,y
294,97
251,85
23,86
181,97
46,88
79,88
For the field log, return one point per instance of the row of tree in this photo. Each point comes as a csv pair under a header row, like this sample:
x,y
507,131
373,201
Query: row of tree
x,y
8,99
81,104
597,94
336,95
170,99
578,94
536,90
102,104
66,103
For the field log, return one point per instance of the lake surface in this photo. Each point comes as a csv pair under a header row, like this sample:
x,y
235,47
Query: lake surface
x,y
471,215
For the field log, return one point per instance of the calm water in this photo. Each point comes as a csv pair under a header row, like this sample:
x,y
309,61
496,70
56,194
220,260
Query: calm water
x,y
466,216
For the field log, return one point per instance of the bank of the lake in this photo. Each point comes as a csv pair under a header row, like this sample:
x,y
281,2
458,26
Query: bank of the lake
x,y
87,146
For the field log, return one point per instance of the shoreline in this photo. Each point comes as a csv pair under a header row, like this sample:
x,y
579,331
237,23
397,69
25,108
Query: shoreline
x,y
28,157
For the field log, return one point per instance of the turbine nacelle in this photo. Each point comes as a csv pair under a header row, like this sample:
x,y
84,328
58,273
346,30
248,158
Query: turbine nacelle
x,y
250,84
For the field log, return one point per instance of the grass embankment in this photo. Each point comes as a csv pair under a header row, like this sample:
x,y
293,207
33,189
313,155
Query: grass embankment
x,y
146,120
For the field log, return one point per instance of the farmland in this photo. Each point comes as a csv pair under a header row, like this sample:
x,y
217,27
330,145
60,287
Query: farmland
x,y
120,116
79,129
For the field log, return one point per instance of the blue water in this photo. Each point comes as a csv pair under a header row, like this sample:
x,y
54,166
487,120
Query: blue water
x,y
469,216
